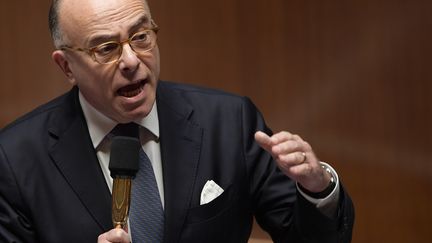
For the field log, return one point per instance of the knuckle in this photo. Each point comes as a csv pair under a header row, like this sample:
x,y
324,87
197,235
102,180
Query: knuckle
x,y
293,170
307,145
274,151
296,146
286,135
299,156
118,233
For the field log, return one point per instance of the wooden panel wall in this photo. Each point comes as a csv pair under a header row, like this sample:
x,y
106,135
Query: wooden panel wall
x,y
351,77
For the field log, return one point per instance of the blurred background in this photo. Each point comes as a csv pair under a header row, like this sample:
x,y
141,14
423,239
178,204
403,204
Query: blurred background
x,y
353,78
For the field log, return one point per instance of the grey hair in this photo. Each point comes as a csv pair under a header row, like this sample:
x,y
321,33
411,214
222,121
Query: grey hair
x,y
53,23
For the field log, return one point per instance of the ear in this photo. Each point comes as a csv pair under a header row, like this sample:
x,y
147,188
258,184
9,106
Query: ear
x,y
60,58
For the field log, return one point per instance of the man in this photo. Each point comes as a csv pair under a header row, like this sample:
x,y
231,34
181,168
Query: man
x,y
56,185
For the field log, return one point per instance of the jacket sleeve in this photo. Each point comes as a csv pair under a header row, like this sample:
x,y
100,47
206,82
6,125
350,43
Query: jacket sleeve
x,y
278,207
15,225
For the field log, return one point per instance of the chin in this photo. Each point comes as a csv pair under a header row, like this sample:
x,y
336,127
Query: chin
x,y
136,115
128,114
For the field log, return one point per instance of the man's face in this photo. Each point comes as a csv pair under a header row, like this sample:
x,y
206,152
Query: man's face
x,y
124,90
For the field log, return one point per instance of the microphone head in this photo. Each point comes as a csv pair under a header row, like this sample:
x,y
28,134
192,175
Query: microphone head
x,y
124,157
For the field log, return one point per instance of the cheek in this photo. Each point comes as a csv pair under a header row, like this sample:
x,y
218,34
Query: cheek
x,y
157,62
153,62
97,93
95,83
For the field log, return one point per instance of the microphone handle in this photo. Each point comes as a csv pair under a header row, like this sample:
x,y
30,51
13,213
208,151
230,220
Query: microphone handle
x,y
121,191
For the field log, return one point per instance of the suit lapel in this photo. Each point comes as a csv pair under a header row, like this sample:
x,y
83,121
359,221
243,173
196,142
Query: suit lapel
x,y
75,157
180,148
180,138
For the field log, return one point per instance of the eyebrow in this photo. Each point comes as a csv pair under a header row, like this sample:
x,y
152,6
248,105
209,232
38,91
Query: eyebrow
x,y
94,41
98,39
144,19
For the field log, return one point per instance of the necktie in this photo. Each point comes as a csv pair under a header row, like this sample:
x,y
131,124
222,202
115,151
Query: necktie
x,y
146,212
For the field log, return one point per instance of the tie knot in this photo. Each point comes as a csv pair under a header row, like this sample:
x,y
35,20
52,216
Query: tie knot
x,y
126,129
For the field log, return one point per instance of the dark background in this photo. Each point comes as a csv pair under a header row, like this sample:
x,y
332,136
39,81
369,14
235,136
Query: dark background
x,y
353,78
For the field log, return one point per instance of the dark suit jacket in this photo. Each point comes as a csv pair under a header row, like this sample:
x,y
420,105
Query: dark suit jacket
x,y
52,188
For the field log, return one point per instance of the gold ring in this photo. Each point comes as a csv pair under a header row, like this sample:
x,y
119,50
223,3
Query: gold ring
x,y
304,157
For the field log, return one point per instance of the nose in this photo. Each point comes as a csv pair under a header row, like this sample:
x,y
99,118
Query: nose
x,y
128,61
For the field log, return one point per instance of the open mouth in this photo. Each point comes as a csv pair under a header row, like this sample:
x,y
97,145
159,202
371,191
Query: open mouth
x,y
132,89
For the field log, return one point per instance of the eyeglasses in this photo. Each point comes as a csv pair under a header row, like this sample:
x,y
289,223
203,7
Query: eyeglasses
x,y
111,51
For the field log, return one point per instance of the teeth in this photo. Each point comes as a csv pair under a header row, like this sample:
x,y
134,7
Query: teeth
x,y
131,90
132,93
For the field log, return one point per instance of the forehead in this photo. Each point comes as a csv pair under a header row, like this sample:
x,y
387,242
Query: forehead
x,y
89,17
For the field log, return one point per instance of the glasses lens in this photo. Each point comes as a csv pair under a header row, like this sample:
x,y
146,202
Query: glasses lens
x,y
107,52
143,41
110,51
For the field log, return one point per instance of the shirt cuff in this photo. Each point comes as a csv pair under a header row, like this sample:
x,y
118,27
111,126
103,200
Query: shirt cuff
x,y
328,205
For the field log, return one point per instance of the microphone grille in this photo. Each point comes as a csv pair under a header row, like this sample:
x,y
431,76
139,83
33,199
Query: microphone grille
x,y
124,156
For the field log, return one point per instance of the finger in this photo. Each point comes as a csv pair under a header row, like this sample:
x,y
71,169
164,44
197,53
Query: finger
x,y
297,138
281,137
263,140
117,235
292,159
305,145
286,147
101,238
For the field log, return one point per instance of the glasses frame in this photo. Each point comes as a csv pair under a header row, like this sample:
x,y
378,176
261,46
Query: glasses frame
x,y
91,51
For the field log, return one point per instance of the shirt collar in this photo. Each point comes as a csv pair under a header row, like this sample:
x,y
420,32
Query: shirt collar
x,y
100,125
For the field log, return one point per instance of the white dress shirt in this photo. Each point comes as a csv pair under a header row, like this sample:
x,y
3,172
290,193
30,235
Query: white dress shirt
x,y
99,126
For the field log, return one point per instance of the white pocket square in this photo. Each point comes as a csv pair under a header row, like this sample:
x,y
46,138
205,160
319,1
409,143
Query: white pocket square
x,y
210,191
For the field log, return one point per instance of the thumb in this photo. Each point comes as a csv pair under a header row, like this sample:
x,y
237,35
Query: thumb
x,y
263,140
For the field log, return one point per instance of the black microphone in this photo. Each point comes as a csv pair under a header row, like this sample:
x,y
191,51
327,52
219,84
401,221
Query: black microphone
x,y
124,164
